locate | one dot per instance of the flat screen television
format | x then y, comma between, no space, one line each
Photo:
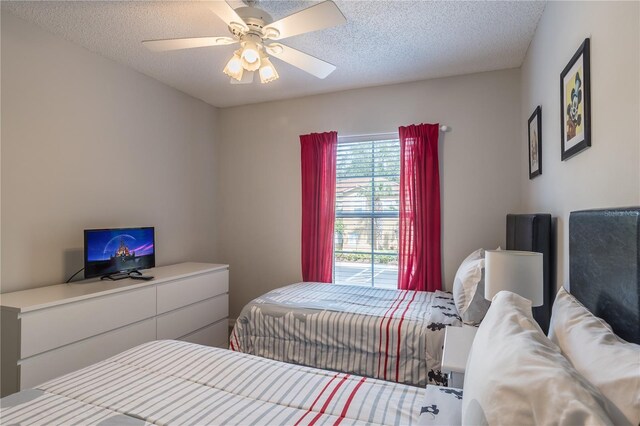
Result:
123,250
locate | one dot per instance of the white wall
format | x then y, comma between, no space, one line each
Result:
87,142
608,173
259,180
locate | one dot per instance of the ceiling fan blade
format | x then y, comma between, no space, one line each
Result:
318,17
186,43
227,14
305,62
247,78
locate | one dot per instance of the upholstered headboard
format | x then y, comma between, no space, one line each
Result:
534,232
604,266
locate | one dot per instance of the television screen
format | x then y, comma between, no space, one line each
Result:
108,251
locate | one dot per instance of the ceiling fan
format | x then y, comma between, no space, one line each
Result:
258,36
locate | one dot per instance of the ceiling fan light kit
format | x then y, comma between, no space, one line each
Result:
234,68
253,28
250,52
268,72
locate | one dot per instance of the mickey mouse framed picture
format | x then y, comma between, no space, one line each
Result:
575,103
535,143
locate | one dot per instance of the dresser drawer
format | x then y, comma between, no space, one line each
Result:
190,290
213,335
49,365
183,321
51,328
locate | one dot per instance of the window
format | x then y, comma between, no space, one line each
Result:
367,201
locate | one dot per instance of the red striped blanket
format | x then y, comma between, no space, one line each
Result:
387,334
171,382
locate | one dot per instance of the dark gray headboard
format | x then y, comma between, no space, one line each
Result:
534,232
604,266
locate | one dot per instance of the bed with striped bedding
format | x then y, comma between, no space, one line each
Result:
394,335
171,382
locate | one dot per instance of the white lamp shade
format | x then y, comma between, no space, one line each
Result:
520,272
234,67
267,71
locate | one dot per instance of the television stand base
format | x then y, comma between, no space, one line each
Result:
119,275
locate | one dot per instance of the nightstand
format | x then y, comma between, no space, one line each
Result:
457,344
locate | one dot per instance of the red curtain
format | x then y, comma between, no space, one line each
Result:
318,153
419,257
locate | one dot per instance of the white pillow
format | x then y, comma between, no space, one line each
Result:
516,376
468,289
608,362
475,255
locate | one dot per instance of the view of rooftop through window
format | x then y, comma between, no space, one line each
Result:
367,200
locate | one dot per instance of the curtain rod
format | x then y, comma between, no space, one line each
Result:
443,128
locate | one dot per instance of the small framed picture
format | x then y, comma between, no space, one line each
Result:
535,143
575,103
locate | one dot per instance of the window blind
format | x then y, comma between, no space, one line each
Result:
367,201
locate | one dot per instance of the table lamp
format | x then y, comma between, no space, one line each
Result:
520,272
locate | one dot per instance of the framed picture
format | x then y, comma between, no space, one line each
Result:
535,143
575,103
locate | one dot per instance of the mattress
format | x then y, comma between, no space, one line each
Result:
171,382
394,335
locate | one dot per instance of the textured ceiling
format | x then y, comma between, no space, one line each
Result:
383,42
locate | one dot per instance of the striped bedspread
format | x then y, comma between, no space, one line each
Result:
171,382
387,334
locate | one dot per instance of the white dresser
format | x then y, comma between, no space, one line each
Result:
50,331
